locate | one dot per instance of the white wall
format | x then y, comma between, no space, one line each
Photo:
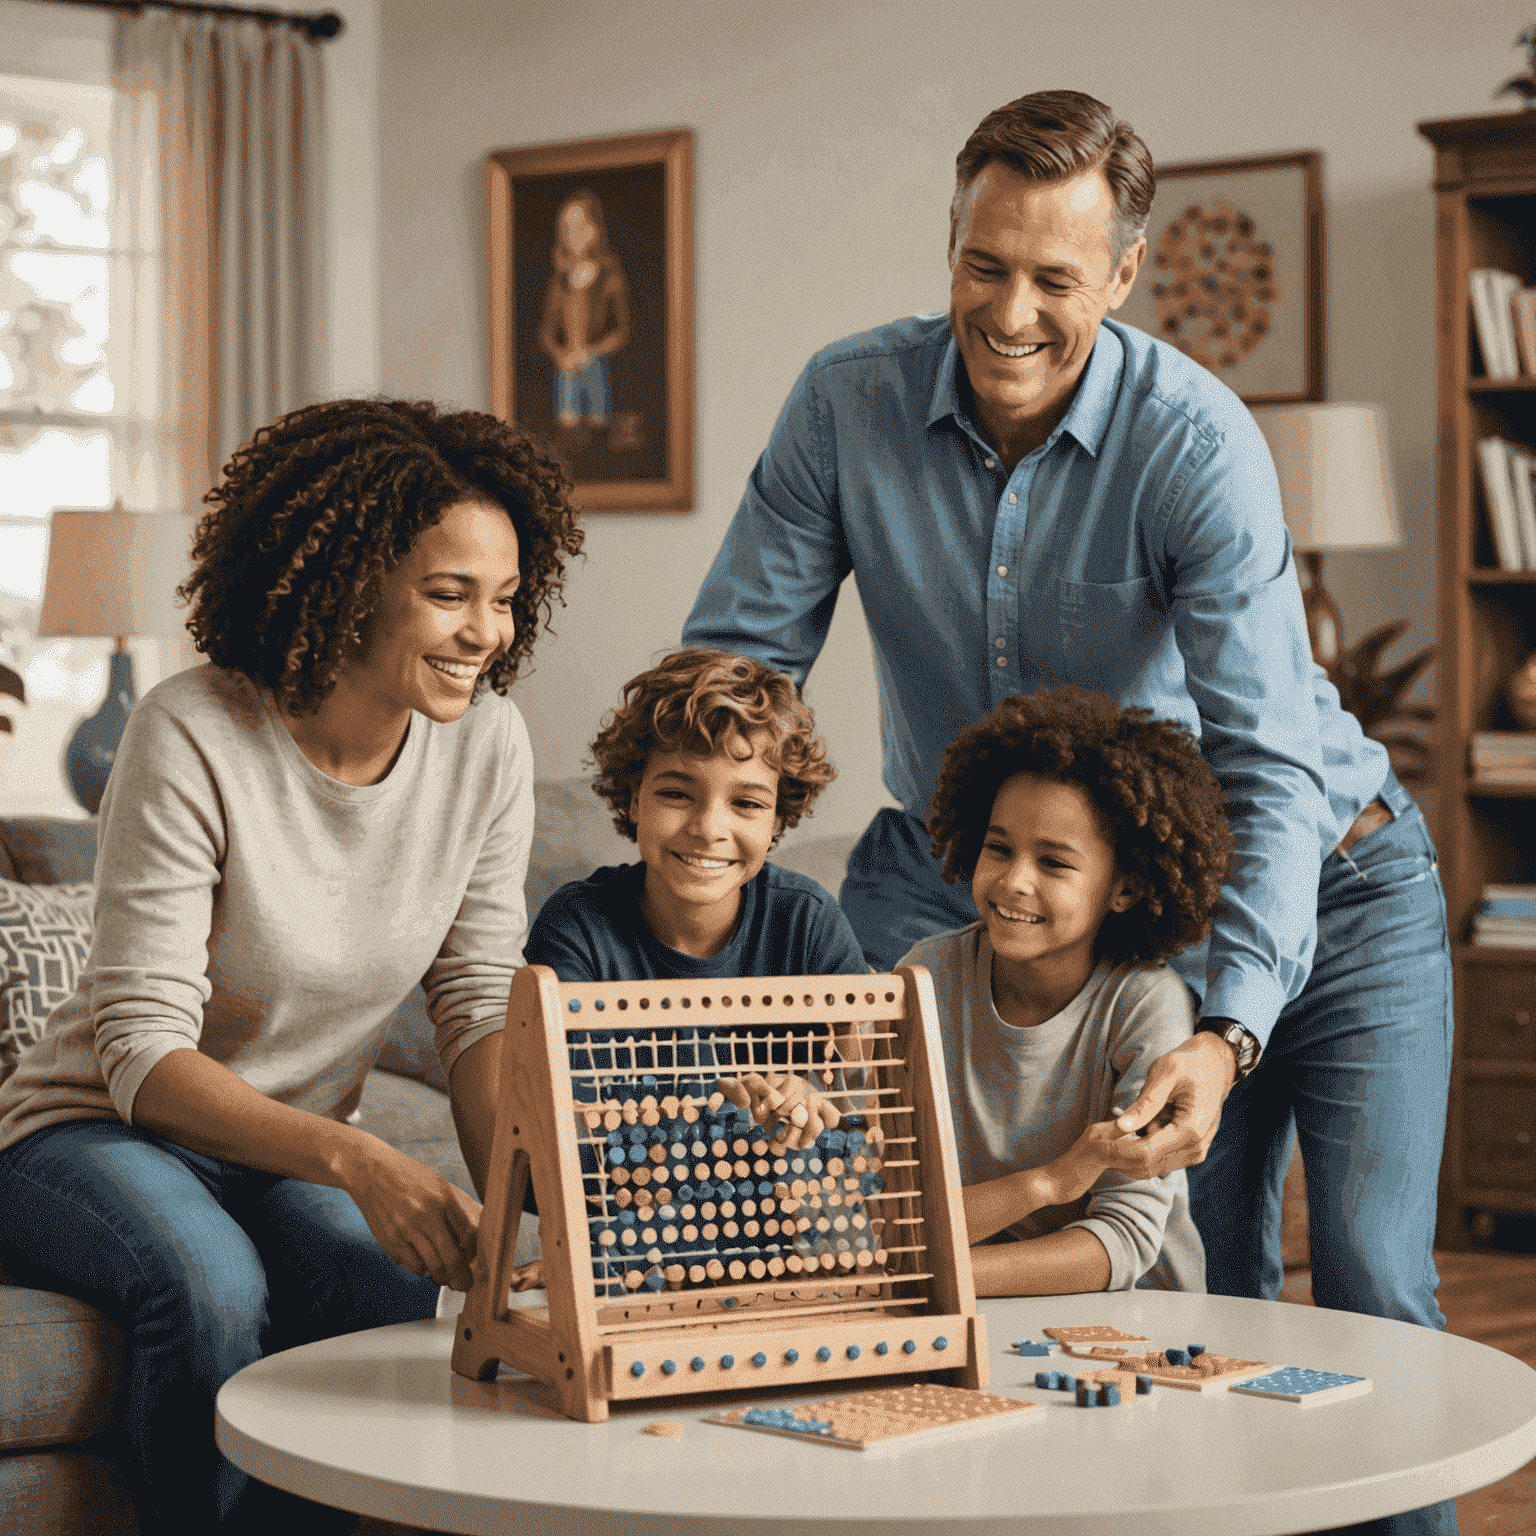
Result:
825,146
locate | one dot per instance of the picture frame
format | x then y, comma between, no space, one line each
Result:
590,260
1233,274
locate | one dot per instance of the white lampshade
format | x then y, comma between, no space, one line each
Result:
1335,475
115,573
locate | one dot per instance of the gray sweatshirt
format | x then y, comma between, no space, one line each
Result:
1021,1097
250,907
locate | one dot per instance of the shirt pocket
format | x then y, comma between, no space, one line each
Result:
1117,638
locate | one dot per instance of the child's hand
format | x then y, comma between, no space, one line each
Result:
1074,1173
795,1110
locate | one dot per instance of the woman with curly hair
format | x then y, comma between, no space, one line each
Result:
1094,842
292,837
705,763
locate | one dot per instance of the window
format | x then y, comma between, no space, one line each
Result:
71,430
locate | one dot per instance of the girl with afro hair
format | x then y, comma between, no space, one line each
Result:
338,807
1094,842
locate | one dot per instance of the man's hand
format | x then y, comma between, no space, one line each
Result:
425,1224
1181,1099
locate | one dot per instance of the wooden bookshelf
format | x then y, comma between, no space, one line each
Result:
1485,191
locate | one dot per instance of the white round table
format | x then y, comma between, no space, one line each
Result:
376,1422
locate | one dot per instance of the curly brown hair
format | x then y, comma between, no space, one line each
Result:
697,701
1158,803
312,513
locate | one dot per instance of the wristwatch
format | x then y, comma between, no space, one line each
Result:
1244,1046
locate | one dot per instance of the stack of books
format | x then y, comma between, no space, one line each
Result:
1504,312
1507,917
1504,757
1509,494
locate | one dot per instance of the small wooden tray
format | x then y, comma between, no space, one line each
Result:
887,1416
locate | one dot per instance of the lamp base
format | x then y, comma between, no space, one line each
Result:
1325,624
92,749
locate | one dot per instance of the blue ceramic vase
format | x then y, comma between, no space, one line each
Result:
92,749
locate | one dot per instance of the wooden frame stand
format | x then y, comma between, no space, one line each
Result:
685,1250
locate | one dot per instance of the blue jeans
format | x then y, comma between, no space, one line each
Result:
205,1266
1358,1066
587,393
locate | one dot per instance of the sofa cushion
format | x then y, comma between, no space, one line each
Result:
44,1493
45,939
47,850
61,1365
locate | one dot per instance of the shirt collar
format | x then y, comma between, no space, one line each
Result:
1087,418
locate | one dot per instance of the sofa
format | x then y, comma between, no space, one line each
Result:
61,1361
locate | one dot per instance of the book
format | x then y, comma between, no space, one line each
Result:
1493,316
1504,940
1509,893
1524,306
1523,742
1499,498
1522,465
1526,909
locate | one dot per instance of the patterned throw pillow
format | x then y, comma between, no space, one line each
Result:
45,938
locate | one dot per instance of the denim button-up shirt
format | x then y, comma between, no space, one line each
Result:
1138,552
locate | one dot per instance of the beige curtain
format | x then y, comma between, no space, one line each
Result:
218,155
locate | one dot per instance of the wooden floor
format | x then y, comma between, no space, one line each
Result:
1490,1297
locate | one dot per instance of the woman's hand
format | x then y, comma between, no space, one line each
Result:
794,1109
425,1224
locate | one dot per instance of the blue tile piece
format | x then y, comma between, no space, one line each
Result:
1087,1396
1196,1349
1109,1396
668,1367
941,1342
1143,1385
1177,1356
823,1353
727,1361
1043,1379
791,1355
1300,1379
784,1418
637,1368
909,1347
882,1347
697,1363
852,1351
1030,1348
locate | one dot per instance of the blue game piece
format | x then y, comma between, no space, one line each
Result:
784,1418
727,1361
791,1355
1303,1385
697,1363
1068,1382
823,1353
1196,1349
909,1347
1143,1385
759,1358
1043,1379
1177,1356
1028,1347
616,1155
647,1081
730,1301
1109,1396
852,1351
576,1008
882,1347
941,1342
654,1281
668,1367
638,1368
1087,1396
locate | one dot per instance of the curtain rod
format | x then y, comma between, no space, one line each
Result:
320,27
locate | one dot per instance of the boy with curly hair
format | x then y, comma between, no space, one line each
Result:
707,761
1095,843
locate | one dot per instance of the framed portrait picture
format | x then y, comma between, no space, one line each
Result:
590,249
1233,275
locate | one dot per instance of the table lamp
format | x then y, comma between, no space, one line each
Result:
111,574
1335,493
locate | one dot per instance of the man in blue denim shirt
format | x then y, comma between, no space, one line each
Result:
1029,493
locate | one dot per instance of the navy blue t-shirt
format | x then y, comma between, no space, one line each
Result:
593,930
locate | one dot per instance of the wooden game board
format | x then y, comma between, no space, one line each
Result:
1208,1373
888,1416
